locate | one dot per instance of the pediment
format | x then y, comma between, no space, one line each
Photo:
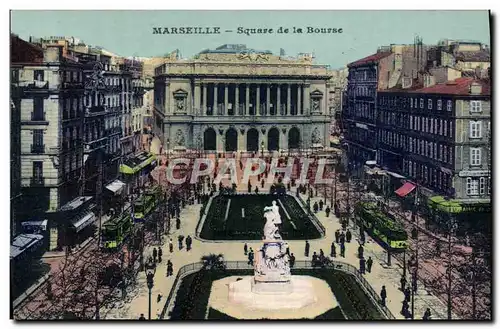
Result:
180,92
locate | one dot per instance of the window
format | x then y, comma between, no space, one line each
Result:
440,152
472,186
432,126
411,103
482,186
475,129
475,156
451,128
439,104
435,151
450,158
421,103
448,105
38,114
37,170
38,75
475,106
489,185
429,104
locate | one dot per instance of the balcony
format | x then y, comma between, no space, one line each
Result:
37,181
38,149
95,111
95,145
34,85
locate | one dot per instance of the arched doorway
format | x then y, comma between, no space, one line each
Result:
294,138
231,140
209,140
273,139
252,140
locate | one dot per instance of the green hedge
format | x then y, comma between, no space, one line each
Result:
194,292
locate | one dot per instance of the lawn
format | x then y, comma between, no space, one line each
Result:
354,303
245,218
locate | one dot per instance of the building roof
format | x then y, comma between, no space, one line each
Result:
234,49
22,51
370,59
460,86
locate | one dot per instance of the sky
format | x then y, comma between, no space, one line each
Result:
129,33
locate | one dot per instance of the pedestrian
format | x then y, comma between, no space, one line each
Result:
362,263
427,314
160,253
189,242
407,294
327,211
405,309
250,257
142,317
360,251
292,260
362,237
383,295
321,254
306,251
315,207
314,259
414,283
155,254
249,187
342,237
288,251
342,250
337,236
333,251
170,268
348,236
171,245
369,264
256,190
321,204
262,183
403,283
288,186
245,249
180,238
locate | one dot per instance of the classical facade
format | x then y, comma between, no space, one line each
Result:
238,99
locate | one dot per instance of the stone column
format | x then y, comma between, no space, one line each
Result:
205,107
299,98
226,99
247,99
307,100
257,100
278,111
268,99
167,98
242,141
236,99
220,141
197,98
288,100
216,92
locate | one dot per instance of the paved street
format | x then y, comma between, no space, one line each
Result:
234,251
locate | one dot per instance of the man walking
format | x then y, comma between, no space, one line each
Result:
170,268
369,264
171,245
348,236
321,204
342,237
327,211
250,257
337,236
189,242
245,249
360,251
292,260
160,253
155,254
403,283
342,250
306,251
180,239
407,294
362,263
383,295
315,207
333,251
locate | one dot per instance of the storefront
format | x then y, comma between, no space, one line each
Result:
136,170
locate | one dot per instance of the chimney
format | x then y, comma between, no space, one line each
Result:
52,54
475,88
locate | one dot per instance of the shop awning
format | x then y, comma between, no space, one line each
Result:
405,189
116,186
83,220
135,164
23,243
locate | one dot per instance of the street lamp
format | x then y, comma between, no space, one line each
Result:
413,264
150,273
262,148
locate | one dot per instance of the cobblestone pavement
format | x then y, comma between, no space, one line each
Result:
233,251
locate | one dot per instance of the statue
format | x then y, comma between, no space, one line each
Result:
315,104
180,104
315,138
273,218
179,138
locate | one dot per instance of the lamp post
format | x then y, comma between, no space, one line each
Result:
262,148
150,273
413,264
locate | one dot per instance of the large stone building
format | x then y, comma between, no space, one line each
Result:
238,99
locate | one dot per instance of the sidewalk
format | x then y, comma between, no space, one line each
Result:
234,251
